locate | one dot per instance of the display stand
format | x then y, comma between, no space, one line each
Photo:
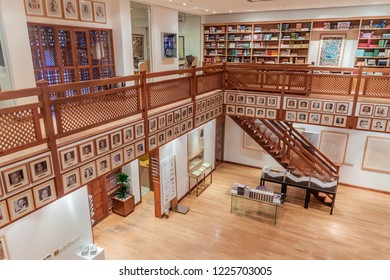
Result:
99,255
200,175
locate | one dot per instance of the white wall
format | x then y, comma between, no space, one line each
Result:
192,32
51,228
132,169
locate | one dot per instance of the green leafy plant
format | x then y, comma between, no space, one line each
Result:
122,180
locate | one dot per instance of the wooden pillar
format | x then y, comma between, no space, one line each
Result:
352,120
154,165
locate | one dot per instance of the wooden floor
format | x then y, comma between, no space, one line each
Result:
358,229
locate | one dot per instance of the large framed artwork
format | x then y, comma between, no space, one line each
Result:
169,45
334,145
331,50
376,154
138,46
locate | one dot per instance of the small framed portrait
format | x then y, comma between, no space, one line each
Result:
70,9
197,108
53,8
271,114
128,133
291,116
203,105
176,130
116,159
302,117
152,142
230,98
183,127
139,148
170,118
217,100
342,107
99,11
139,130
152,125
326,119
340,121
189,125
69,158
190,111
315,105
363,123
212,101
240,110
201,133
88,172
303,104
250,100
240,99
161,122
291,103
314,118
197,121
208,103
40,168
249,111
85,10
260,113
103,165
161,138
34,7
207,116
378,125
261,100
211,113
116,139
169,133
230,109
381,111
272,101
184,113
177,115
202,119
15,178
102,145
219,110
20,205
366,109
328,107
4,217
71,180
388,126
44,193
128,153
86,151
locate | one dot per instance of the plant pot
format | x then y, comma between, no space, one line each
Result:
123,207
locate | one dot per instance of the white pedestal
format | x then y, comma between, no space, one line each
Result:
98,256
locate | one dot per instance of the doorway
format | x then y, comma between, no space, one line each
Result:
219,140
145,180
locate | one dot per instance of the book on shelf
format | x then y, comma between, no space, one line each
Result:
298,26
382,62
371,62
360,52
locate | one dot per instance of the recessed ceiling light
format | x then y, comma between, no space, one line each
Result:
184,4
230,11
207,10
214,12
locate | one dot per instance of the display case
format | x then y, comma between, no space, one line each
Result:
195,161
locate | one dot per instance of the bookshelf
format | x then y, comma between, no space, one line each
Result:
239,43
266,41
295,41
214,50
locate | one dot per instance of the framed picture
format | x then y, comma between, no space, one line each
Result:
201,134
128,133
230,109
170,118
208,103
378,125
116,139
4,254
86,13
177,114
291,103
4,216
340,121
366,109
116,159
40,168
271,101
331,50
249,111
197,107
203,107
376,154
34,7
291,116
189,125
152,125
140,148
176,130
70,9
99,12
183,127
249,143
53,8
363,123
388,126
381,111
342,107
230,98
271,114
169,132
20,205
44,193
197,121
190,111
69,158
128,153
15,178
161,138
250,100
88,172
138,46
260,113
314,118
169,45
139,130
326,119
334,145
328,107
207,116
102,145
261,100
313,137
240,111
315,105
103,165
302,117
71,180
241,98
181,47
152,142
184,113
86,151
303,104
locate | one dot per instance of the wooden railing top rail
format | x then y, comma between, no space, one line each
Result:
169,73
211,67
21,93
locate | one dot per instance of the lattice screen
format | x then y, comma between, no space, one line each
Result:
297,82
209,82
377,86
161,93
330,84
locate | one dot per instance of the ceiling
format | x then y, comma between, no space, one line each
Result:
210,7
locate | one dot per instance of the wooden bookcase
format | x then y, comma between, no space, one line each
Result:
266,41
295,41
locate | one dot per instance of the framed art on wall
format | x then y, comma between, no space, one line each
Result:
139,130
116,159
88,172
334,145
15,178
169,45
138,46
4,217
70,9
128,153
40,168
102,145
71,180
20,205
116,139
44,193
34,7
331,50
53,8
129,134
103,165
99,12
69,157
86,151
85,10
376,154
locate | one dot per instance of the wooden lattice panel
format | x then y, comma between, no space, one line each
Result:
331,84
377,86
209,82
161,93
296,82
92,111
271,79
17,129
239,80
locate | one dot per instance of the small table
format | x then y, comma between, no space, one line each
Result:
200,176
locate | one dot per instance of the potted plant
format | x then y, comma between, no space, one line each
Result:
123,202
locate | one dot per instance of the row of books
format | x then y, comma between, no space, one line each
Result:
240,28
266,36
373,53
240,45
215,38
234,37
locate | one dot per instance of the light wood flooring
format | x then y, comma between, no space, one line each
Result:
358,229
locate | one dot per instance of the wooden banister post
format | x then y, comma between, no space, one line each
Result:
352,119
145,99
284,78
